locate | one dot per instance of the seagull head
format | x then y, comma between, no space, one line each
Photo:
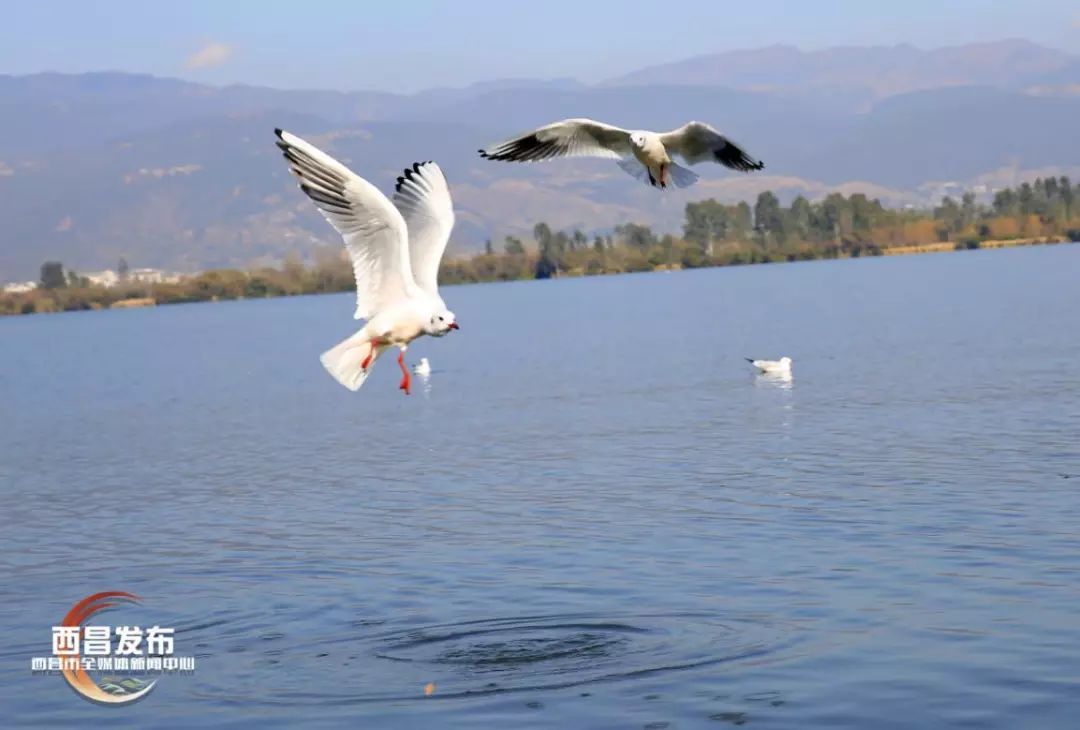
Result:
785,361
442,322
637,139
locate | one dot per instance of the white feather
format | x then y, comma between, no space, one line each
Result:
377,235
694,142
423,197
772,367
568,138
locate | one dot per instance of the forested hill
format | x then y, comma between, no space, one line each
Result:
181,176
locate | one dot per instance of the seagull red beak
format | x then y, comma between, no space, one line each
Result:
454,326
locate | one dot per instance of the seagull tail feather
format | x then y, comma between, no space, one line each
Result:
350,361
681,176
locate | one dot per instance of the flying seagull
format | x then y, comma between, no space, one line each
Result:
395,251
644,155
772,367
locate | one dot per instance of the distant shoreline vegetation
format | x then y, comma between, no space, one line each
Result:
714,234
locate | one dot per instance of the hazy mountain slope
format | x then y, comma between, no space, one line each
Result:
861,74
948,134
178,175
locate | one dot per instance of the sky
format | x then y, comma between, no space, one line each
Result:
408,45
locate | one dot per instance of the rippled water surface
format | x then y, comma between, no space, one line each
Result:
593,515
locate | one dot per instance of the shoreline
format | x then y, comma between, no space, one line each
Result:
908,250
947,246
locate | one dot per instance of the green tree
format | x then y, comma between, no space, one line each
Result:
864,212
547,265
706,221
969,211
52,275
636,235
800,217
1006,202
742,221
768,216
951,216
488,250
1026,197
513,246
836,218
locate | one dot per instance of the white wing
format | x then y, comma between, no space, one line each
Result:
697,142
423,197
375,234
568,138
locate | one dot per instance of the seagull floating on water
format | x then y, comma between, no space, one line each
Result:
772,367
644,155
422,368
395,250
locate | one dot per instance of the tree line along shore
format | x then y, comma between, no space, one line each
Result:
714,234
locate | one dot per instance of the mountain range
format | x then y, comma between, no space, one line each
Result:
183,176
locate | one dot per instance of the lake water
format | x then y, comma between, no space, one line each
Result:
592,516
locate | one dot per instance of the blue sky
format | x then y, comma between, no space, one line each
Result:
406,45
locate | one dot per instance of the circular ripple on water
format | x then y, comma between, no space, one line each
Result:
552,652
491,656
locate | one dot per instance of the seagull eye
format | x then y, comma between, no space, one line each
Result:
440,319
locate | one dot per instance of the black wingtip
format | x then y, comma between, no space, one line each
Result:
278,131
407,175
748,359
732,156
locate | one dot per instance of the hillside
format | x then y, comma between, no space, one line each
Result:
857,76
177,175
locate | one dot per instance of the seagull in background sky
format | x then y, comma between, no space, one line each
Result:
644,155
395,250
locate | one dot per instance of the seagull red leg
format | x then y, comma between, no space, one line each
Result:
371,353
404,372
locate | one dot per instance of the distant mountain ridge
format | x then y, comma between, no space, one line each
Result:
182,176
868,73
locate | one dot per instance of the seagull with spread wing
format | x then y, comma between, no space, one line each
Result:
644,155
395,250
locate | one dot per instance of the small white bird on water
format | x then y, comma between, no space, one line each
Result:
422,368
644,155
772,367
395,251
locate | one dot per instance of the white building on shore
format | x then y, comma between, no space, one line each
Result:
153,276
107,278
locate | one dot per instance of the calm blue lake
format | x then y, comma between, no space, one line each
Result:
593,515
